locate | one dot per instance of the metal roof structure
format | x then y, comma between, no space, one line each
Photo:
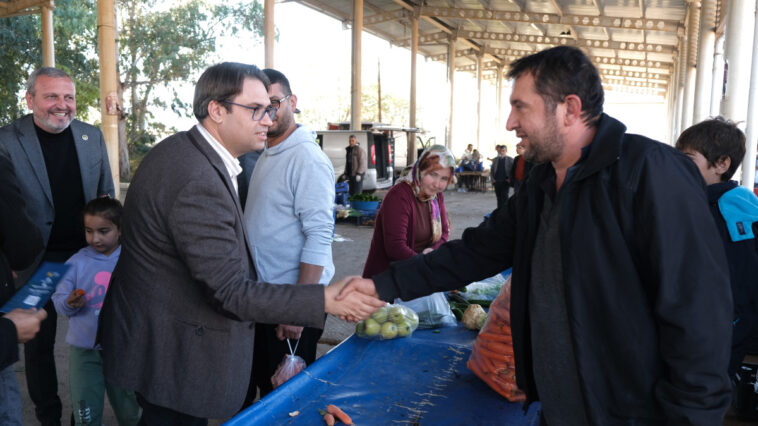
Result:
634,43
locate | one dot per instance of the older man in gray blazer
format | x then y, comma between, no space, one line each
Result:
61,163
177,325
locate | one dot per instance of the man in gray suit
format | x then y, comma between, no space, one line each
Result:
178,322
61,163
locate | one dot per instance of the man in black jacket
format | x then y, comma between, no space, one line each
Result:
620,303
20,243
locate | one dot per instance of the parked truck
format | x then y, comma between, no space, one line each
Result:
385,145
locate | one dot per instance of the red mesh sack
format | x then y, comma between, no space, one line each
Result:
492,354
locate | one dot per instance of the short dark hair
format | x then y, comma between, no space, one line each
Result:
221,82
48,72
561,71
275,77
715,138
105,207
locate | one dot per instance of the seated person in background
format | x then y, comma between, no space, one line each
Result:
466,157
412,218
717,147
476,161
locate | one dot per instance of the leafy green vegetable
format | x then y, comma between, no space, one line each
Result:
364,197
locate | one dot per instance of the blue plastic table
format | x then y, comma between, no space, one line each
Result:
420,379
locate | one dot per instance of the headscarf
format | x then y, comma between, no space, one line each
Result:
413,178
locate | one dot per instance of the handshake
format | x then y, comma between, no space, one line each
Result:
352,298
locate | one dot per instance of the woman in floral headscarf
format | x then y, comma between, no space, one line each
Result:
412,218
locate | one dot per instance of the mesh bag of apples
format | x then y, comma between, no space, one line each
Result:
389,322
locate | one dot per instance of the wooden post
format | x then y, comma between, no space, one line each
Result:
269,32
48,47
355,82
411,150
109,108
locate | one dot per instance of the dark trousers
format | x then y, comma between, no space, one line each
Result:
744,338
41,375
269,352
501,192
356,187
39,360
154,415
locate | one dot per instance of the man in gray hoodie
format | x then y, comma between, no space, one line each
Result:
289,221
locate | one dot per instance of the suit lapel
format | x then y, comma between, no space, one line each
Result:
29,142
204,147
81,140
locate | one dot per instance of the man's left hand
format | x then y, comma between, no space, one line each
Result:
284,331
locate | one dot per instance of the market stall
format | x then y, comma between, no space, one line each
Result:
421,379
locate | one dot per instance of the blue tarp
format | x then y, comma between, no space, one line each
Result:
421,379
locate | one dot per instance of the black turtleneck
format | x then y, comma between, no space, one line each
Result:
65,178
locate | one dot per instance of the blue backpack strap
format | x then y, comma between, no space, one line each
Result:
739,207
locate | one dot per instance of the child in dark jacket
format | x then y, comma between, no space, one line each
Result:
717,147
80,296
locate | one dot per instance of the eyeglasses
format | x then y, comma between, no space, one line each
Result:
258,112
277,103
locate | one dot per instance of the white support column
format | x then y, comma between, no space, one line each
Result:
706,46
269,32
451,84
48,45
748,163
739,40
499,89
717,84
693,28
479,64
411,151
355,87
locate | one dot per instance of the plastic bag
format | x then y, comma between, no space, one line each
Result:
433,311
484,292
291,365
492,353
389,322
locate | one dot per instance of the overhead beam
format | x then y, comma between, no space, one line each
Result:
548,41
24,7
668,25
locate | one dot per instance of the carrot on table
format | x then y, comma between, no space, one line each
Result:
338,413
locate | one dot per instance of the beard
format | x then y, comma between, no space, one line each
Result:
546,145
281,125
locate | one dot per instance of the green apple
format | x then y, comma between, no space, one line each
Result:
372,328
413,318
360,329
404,329
397,314
389,330
380,316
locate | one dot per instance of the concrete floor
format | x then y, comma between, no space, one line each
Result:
349,252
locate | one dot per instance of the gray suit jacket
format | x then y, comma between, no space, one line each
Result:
508,167
19,140
177,322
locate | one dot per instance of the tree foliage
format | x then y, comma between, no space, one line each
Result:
75,28
160,44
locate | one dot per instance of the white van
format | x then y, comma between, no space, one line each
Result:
386,151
